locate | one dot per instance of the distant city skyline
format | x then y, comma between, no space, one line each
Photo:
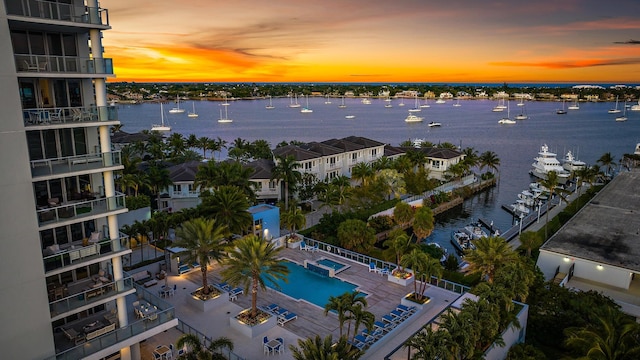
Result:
374,41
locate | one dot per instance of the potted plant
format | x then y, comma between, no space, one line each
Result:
251,264
424,266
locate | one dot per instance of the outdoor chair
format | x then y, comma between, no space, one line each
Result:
372,267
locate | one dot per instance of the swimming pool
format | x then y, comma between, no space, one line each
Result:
332,264
307,285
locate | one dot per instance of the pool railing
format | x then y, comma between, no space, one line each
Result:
381,264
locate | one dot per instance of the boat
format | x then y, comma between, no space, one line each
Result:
270,106
574,106
416,108
475,231
506,120
401,102
426,104
443,258
306,108
457,103
327,101
225,102
388,103
500,107
342,105
622,117
292,104
161,126
434,124
462,241
614,110
523,114
635,107
519,209
440,101
561,111
546,161
570,163
366,101
225,119
177,109
637,150
193,114
349,116
521,103
413,118
527,197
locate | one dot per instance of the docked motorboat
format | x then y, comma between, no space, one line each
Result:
462,241
570,163
475,231
519,208
545,162
527,198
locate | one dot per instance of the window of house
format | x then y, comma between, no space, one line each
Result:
177,188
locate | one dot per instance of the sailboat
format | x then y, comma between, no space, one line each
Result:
306,108
193,114
416,108
575,105
388,102
500,107
342,105
225,103
162,126
523,114
177,109
624,114
426,104
401,102
521,103
506,120
270,106
292,104
561,111
457,104
327,101
225,119
616,110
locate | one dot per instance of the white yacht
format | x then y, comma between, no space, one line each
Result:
413,118
441,101
161,126
475,231
546,161
366,101
635,107
177,109
570,163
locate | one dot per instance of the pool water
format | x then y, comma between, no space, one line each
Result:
306,285
331,264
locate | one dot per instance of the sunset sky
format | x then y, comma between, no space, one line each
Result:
374,41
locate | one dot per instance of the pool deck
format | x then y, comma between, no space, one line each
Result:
383,296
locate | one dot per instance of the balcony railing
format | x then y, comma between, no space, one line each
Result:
63,64
50,10
80,209
91,295
79,253
69,115
69,164
166,313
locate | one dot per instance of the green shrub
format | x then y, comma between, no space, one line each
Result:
137,202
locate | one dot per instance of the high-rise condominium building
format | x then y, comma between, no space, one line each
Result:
63,290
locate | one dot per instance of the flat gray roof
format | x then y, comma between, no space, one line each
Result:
607,229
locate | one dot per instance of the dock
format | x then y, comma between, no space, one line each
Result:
489,225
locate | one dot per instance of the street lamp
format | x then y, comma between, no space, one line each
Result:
539,207
155,252
521,217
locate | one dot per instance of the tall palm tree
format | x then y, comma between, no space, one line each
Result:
423,266
550,182
463,334
489,159
429,345
324,349
253,263
360,316
286,169
197,351
141,181
202,240
176,145
613,337
607,160
529,240
293,219
341,307
229,205
490,253
362,172
204,144
159,179
423,223
398,242
354,299
403,214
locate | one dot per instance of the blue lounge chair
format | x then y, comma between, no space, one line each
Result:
271,308
361,340
303,246
404,308
283,319
224,286
280,311
397,315
383,271
372,267
383,326
236,291
388,319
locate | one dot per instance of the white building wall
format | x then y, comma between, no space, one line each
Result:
548,262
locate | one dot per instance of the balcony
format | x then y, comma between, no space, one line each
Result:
78,253
74,343
40,64
73,164
57,11
69,116
88,292
74,210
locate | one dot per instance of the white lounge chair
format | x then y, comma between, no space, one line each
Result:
286,318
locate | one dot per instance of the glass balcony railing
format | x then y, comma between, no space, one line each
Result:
78,209
166,313
76,163
69,115
93,293
83,253
63,64
53,10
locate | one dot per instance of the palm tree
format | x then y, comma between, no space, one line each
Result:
141,181
229,205
286,169
403,214
126,182
341,307
362,172
204,144
607,160
529,240
398,242
197,351
423,266
354,299
159,179
324,349
293,219
423,223
354,234
551,183
462,333
429,345
252,263
360,316
490,253
202,240
176,144
490,160
613,337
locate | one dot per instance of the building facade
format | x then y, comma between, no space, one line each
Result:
65,293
